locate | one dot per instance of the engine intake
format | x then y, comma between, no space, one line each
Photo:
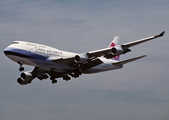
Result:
81,58
27,76
118,50
77,58
22,81
113,50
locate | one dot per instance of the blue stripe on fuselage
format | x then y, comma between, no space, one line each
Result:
23,53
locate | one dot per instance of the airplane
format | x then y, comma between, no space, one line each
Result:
53,63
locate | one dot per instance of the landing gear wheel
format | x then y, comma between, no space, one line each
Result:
21,68
66,77
54,81
77,73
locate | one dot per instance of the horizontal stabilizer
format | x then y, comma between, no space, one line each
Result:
128,60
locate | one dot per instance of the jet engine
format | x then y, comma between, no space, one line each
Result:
81,58
26,78
118,50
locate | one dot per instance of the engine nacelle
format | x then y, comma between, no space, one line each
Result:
27,76
22,81
118,50
81,58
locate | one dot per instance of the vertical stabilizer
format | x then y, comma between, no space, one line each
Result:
115,42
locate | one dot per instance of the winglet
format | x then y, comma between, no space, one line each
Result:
161,34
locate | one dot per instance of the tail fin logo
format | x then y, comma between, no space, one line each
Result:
112,45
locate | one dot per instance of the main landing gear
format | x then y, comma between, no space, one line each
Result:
21,68
66,77
54,81
76,73
52,78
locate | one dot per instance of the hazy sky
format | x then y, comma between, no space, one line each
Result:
139,91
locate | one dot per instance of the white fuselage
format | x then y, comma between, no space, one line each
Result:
41,56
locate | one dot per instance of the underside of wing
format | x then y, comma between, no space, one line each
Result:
72,61
65,60
91,63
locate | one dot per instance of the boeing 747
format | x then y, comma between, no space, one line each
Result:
53,63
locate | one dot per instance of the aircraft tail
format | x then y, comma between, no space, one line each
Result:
115,42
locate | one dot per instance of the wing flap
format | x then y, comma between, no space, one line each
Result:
106,52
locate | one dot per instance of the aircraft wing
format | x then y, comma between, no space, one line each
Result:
86,64
107,52
63,60
82,57
130,44
120,49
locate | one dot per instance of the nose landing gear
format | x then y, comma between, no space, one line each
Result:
21,68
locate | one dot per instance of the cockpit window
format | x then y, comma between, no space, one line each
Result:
15,43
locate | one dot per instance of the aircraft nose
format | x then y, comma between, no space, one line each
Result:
6,51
